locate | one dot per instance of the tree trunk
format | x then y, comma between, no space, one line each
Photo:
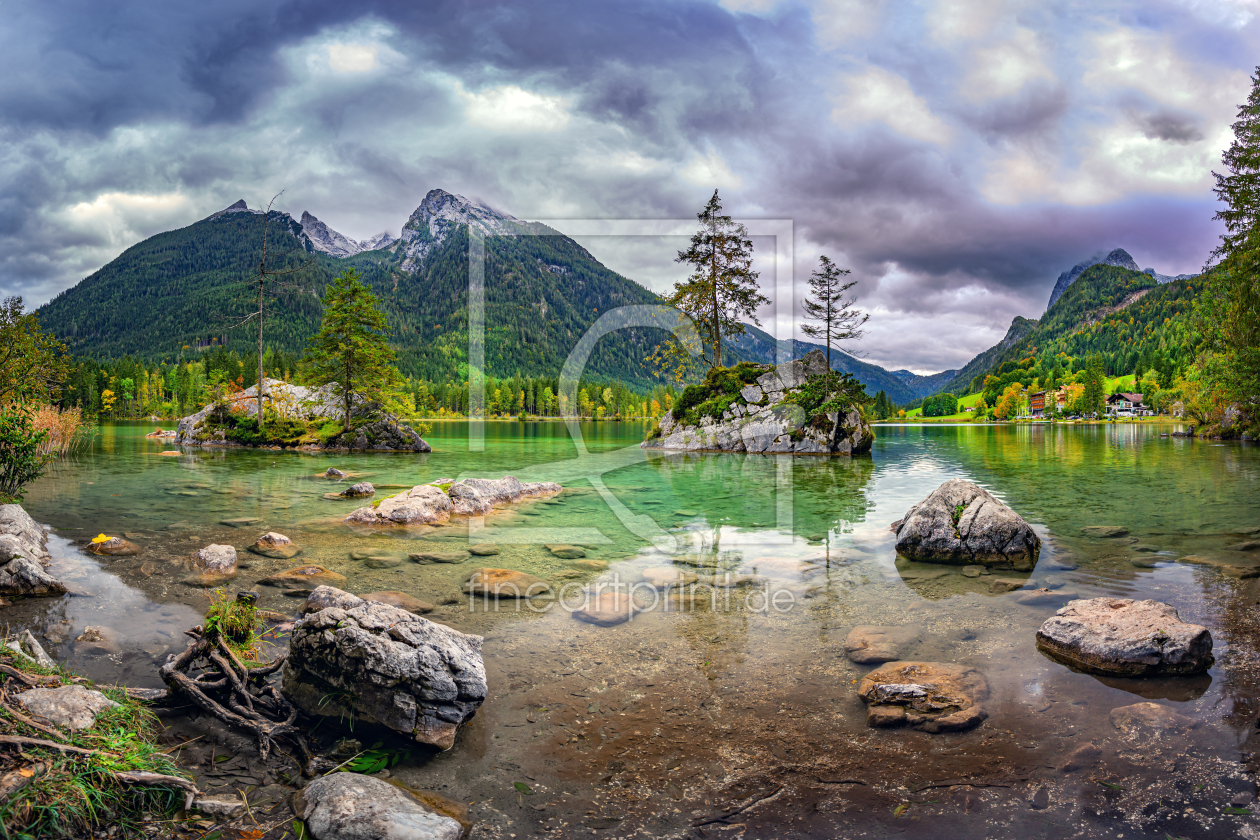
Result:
261,278
717,334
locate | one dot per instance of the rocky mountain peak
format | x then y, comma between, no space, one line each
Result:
1117,257
326,240
439,214
238,207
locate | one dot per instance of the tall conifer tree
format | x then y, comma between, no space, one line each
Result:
834,315
722,287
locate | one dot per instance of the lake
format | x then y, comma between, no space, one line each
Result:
737,715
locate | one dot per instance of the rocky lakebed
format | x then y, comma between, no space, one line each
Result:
912,651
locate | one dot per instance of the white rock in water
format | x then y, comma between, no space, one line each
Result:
1124,637
351,806
215,558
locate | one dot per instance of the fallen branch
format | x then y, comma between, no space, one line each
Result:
756,800
27,679
144,777
22,740
964,783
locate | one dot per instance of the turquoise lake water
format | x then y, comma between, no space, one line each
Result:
736,695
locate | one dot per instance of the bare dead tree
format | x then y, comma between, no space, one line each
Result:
265,260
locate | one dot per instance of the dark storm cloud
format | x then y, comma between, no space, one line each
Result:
896,147
1175,128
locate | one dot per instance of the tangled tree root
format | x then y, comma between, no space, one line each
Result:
211,675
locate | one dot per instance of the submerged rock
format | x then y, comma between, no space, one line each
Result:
663,577
355,491
504,583
566,552
928,696
386,666
1105,531
1123,637
96,641
766,418
606,610
71,706
309,575
483,550
869,645
275,545
962,523
351,806
1143,722
401,600
426,558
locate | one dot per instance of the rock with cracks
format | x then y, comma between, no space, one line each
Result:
24,556
71,706
386,666
1123,637
351,806
929,696
963,524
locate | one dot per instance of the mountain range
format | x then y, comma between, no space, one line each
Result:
189,288
1105,305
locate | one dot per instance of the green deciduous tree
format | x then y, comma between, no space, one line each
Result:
33,364
1232,302
350,351
722,287
833,315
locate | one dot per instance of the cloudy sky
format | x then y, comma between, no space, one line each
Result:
955,155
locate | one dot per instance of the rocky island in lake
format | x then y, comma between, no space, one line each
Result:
793,408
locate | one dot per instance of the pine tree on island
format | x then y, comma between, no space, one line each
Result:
722,287
834,316
350,351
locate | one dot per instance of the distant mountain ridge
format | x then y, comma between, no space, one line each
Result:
171,293
1117,257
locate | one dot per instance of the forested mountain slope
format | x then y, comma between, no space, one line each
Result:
184,290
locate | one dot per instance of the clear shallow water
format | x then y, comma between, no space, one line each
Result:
680,716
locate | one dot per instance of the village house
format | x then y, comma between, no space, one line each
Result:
1127,405
1037,403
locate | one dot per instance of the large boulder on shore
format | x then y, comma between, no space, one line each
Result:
1123,637
963,524
24,556
386,666
15,521
765,417
351,806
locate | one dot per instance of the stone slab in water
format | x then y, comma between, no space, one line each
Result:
504,583
1123,637
869,645
607,610
308,576
429,557
928,696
